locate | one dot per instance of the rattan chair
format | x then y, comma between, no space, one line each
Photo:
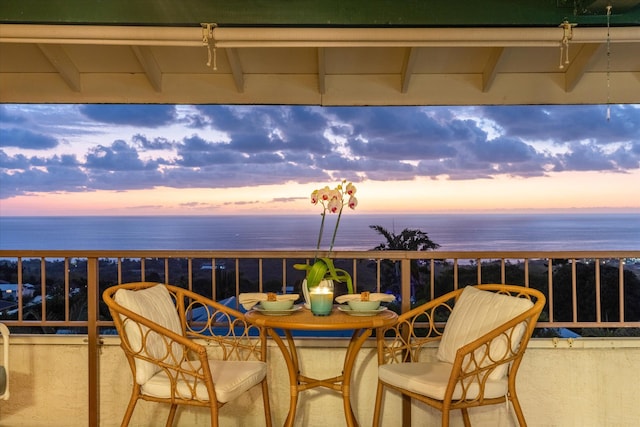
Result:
478,352
185,349
4,364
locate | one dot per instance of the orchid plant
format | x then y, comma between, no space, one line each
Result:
332,201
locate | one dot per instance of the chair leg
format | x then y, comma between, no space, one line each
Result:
265,400
517,408
406,410
465,417
445,417
378,405
213,409
172,414
132,404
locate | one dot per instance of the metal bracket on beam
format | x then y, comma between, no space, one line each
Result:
209,40
567,34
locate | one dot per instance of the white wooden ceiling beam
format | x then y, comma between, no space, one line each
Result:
322,71
236,68
63,65
491,68
577,68
408,68
227,37
150,65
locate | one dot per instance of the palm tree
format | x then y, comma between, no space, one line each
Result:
407,240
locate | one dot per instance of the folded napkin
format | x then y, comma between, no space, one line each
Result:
248,300
372,297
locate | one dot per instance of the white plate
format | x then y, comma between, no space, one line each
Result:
278,312
348,310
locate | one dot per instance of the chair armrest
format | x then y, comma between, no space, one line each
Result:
415,329
227,334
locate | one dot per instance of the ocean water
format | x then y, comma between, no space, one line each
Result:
458,232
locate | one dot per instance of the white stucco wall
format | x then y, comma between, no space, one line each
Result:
587,382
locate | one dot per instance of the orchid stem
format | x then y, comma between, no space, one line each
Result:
320,234
335,230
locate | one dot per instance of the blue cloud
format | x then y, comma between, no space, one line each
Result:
24,138
218,146
118,157
151,116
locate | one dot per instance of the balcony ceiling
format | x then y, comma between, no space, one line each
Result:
334,52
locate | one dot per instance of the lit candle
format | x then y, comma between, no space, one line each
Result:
321,301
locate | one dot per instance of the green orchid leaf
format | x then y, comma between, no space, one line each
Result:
322,269
316,273
306,267
345,277
329,263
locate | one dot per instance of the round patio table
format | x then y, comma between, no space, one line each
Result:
304,320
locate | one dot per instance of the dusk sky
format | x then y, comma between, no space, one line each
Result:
213,159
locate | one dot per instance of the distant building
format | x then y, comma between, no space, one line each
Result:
219,266
9,291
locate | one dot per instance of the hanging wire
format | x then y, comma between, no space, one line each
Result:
608,62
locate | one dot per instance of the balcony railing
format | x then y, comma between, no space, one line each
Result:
594,289
584,289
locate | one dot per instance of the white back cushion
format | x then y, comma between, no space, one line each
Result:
476,313
155,304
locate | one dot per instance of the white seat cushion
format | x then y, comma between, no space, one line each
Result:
230,378
477,312
431,378
154,303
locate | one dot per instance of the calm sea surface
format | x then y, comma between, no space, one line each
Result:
500,232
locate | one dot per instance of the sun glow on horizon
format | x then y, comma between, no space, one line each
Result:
561,191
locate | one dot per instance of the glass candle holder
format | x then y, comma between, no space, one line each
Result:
321,300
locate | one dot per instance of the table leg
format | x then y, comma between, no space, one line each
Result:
298,382
291,359
357,339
